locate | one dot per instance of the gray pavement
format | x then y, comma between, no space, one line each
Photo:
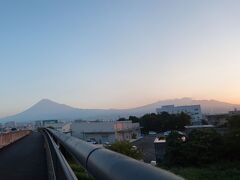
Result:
24,159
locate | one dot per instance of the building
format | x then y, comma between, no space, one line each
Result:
105,131
49,123
188,129
64,127
38,124
235,112
194,111
126,130
221,120
217,120
160,149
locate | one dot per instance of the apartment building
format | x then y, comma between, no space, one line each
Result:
194,111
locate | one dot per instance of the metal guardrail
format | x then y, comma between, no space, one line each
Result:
10,137
104,164
58,167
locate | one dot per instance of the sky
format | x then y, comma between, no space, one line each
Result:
117,54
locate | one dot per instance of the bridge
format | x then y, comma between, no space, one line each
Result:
45,155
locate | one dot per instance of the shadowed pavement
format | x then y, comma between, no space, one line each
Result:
24,159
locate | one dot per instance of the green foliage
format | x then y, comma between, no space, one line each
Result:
201,147
134,119
161,122
205,155
232,138
234,122
78,170
175,151
232,144
204,146
125,147
224,170
122,119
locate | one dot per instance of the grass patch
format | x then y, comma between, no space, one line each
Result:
79,171
219,171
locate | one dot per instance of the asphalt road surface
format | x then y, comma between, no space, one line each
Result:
24,159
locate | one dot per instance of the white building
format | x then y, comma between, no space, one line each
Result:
105,131
194,111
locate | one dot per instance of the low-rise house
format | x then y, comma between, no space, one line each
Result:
126,130
235,112
220,120
217,119
188,129
160,148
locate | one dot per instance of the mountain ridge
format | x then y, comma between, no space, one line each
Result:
48,109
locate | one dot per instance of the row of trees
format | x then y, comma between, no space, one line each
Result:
204,146
234,122
161,122
126,148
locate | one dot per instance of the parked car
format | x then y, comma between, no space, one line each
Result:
92,141
152,133
166,133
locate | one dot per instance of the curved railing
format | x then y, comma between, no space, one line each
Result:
108,165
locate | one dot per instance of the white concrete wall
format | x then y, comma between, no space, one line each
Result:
105,131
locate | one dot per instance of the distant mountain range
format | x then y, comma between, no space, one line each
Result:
47,109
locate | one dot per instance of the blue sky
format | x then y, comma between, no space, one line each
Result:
109,54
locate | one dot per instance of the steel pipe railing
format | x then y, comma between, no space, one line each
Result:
59,160
108,165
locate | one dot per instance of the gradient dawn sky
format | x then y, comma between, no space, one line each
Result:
117,54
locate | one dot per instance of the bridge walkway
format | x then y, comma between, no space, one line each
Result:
24,159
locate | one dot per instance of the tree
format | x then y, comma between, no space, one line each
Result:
232,144
122,119
232,138
126,148
183,120
234,122
161,122
175,149
166,121
134,119
203,146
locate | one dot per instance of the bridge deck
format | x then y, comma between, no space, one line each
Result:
24,159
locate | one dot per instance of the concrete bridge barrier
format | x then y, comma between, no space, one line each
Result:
10,137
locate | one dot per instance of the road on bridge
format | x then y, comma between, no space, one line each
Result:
24,159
